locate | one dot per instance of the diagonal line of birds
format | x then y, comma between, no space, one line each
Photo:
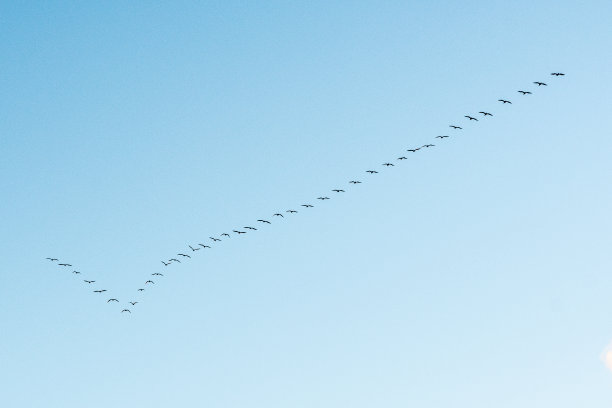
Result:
193,249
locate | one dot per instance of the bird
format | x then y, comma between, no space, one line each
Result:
307,205
239,232
141,290
174,259
339,191
322,198
470,118
52,259
557,74
388,164
413,150
264,221
428,145
100,291
505,101
166,264
149,281
251,228
194,249
455,127
278,215
372,171
225,235
186,256
402,158
215,239
486,113
441,137
112,300
540,83
156,274
204,246
64,264
291,212
133,303
76,272
126,310
524,92
355,182
88,281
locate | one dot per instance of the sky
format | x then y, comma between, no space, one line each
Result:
474,274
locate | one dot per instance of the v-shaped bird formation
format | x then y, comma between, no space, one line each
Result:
194,248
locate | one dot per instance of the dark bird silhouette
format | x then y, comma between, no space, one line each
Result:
186,256
441,137
112,300
339,191
141,290
88,281
149,281
355,182
166,264
100,291
455,127
240,232
540,83
505,101
470,118
291,212
126,310
372,171
278,215
133,303
194,249
428,145
264,221
76,272
64,265
307,205
388,164
174,259
486,113
524,92
413,150
322,198
215,239
251,228
402,158
156,274
52,259
557,74
225,235
204,246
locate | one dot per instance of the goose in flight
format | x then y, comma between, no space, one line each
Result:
64,264
557,74
239,232
524,92
133,303
251,228
112,300
471,118
355,182
166,263
428,145
76,272
194,249
402,158
174,259
486,113
156,274
307,205
204,246
388,164
414,150
186,256
340,191
322,198
455,127
141,290
278,215
291,212
52,259
215,239
150,281
88,281
100,291
126,310
225,235
540,83
264,221
505,101
441,137
372,171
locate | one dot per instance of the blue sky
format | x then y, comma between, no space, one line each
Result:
475,274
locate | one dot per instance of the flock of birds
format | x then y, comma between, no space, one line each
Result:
195,247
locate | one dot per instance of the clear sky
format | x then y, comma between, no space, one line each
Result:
475,274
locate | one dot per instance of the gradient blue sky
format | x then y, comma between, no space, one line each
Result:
475,274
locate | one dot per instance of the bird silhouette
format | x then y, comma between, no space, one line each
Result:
322,198
455,127
150,281
557,74
251,228
156,274
88,281
166,264
291,212
278,215
186,256
402,158
126,310
204,246
239,232
76,272
413,150
505,101
307,205
141,290
225,235
372,171
175,260
64,264
540,83
441,137
428,145
486,113
133,303
52,259
194,249
215,239
112,300
524,92
388,164
470,118
355,182
339,191
100,291
264,221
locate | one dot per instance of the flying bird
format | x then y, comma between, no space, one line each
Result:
428,145
524,92
76,272
174,259
194,249
264,221
186,256
504,101
441,137
149,281
413,150
133,303
126,310
64,265
239,232
215,239
112,300
402,158
339,191
166,264
372,171
388,164
141,290
291,212
100,291
225,235
204,246
455,127
88,281
486,113
307,205
52,259
322,198
251,228
156,274
540,83
470,118
355,182
278,215
557,74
